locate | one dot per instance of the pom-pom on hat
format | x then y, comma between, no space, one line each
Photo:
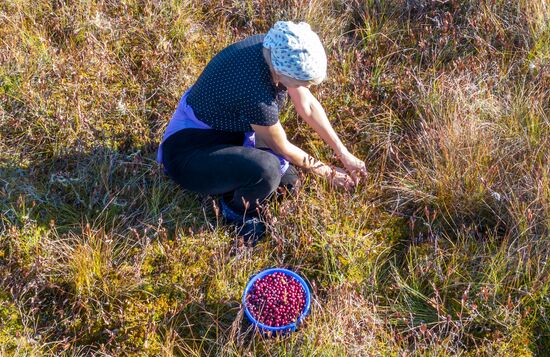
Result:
296,51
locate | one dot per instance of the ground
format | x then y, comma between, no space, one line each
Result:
442,250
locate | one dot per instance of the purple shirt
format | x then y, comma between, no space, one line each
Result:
183,118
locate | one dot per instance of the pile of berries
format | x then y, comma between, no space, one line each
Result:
276,300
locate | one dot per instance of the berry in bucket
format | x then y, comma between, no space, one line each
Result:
276,299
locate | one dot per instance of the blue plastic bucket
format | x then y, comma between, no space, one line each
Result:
270,330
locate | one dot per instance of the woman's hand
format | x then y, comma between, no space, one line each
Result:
354,166
340,178
336,176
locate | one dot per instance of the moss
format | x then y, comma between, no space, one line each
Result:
12,329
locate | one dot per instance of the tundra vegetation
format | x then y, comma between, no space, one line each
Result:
442,250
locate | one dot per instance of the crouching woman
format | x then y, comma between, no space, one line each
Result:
210,144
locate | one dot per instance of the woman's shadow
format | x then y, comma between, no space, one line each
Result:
119,192
102,185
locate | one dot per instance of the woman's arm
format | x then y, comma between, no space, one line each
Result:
275,138
309,109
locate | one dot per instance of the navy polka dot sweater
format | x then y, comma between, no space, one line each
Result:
236,90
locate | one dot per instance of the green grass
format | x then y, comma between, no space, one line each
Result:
443,250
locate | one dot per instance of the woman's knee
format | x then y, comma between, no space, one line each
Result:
270,170
264,176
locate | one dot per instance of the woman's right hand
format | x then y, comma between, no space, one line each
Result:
341,179
336,176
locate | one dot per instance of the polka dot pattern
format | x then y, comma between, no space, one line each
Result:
235,89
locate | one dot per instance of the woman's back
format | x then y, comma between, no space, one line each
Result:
236,90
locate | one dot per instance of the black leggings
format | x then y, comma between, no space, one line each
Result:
215,162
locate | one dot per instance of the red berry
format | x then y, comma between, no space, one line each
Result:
276,300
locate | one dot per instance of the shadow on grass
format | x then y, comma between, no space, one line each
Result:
117,193
219,328
103,186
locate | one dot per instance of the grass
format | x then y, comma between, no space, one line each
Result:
443,250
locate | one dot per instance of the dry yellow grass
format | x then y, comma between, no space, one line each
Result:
443,250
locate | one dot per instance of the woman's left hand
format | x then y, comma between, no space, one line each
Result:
354,166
